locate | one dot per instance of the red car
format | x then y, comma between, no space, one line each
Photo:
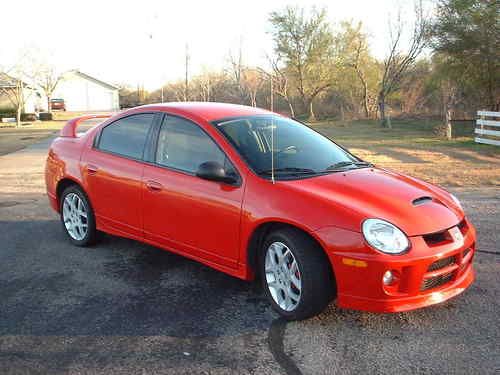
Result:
57,105
252,193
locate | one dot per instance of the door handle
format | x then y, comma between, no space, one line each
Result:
153,186
92,169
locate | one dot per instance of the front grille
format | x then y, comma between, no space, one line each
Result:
441,263
436,281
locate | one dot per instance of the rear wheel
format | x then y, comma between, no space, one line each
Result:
77,216
296,274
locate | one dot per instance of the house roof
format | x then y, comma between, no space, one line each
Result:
95,80
7,81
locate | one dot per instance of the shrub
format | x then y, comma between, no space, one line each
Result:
45,116
28,117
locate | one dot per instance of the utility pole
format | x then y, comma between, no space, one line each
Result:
162,94
186,80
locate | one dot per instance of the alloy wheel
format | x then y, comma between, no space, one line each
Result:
283,276
75,216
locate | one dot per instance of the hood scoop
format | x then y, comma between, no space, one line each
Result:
422,200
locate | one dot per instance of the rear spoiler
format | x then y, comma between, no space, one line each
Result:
69,130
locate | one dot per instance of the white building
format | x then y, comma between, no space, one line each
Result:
12,88
82,92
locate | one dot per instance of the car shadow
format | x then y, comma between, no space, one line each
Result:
118,287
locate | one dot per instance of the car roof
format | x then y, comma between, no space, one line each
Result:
209,111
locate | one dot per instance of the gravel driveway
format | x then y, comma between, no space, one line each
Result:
125,307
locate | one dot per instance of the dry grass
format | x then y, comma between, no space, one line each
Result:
412,148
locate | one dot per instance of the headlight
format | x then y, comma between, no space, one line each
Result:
457,202
384,236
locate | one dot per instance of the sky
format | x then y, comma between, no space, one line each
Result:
143,42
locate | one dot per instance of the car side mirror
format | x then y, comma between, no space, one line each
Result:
214,171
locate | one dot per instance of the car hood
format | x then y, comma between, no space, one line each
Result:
412,205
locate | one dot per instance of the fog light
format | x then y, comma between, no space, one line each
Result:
388,278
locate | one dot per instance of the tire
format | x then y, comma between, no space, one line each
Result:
74,206
317,284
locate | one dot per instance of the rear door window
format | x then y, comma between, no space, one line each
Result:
127,136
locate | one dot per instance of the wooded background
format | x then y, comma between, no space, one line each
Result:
444,63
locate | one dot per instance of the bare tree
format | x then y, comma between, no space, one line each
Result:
205,86
236,71
47,79
280,83
13,85
202,86
251,82
13,89
361,46
398,61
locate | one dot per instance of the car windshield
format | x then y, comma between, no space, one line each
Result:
297,150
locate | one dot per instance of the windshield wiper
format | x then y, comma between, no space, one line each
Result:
289,170
342,164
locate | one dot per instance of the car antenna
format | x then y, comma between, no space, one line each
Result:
272,150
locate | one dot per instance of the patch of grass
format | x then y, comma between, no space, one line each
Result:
412,147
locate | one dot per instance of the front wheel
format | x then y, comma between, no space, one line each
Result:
296,274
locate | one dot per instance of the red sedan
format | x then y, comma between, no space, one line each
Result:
252,193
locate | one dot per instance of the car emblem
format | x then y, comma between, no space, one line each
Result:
456,235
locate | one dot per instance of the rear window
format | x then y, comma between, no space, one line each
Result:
127,136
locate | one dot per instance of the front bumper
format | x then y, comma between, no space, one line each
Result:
428,274
398,304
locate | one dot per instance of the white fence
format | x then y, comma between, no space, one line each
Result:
488,130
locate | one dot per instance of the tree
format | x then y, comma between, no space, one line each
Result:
398,62
14,89
419,89
202,86
304,44
279,83
236,71
467,32
47,79
251,82
13,83
352,44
